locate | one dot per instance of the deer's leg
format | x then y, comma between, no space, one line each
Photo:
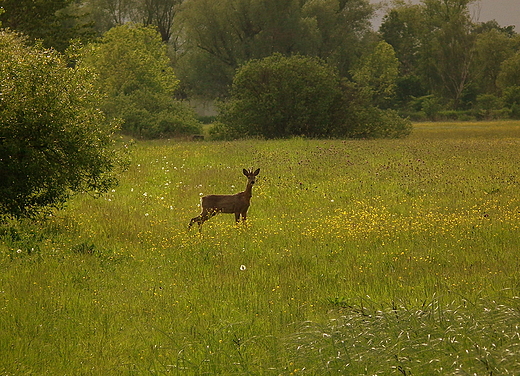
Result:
237,217
195,220
203,217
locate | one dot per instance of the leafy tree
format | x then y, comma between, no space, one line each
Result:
160,13
135,75
402,28
106,14
509,74
54,22
338,28
508,81
492,48
377,74
448,47
281,96
442,51
484,27
511,99
236,31
487,106
54,141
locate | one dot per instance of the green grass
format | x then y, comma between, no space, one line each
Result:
359,257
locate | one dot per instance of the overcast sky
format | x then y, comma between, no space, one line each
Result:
505,12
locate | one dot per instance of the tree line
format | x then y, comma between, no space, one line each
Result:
449,64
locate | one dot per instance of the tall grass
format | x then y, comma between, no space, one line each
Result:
359,257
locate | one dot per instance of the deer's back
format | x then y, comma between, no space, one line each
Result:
226,203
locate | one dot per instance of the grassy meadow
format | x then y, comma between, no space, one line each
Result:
360,257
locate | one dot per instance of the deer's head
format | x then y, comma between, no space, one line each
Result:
251,176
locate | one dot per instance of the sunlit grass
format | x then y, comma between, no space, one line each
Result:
359,257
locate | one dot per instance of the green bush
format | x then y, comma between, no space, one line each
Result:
280,97
455,115
285,96
53,139
222,132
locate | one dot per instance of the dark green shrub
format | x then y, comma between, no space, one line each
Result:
285,96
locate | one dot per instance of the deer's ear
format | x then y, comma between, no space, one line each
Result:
256,172
246,173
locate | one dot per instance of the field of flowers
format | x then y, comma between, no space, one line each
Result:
360,257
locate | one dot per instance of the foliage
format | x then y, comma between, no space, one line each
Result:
279,97
135,75
106,14
402,27
161,14
373,122
441,50
510,72
53,139
232,32
452,57
360,257
492,48
339,29
54,22
448,47
488,105
377,74
511,98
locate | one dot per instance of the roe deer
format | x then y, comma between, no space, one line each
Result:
237,203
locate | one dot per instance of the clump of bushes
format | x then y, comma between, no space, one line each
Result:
484,107
280,96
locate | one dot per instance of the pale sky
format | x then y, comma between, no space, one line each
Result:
505,12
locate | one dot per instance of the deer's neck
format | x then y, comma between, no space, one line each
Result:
249,191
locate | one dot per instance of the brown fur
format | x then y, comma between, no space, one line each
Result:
237,203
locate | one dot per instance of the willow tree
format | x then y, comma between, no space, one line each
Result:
223,35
